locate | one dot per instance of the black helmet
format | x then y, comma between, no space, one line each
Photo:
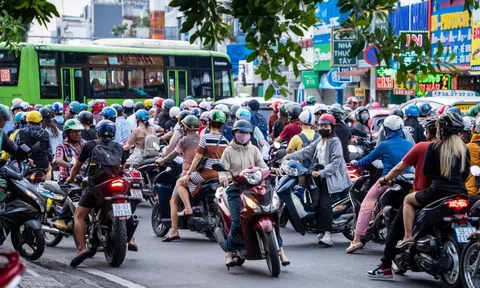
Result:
119,109
243,125
45,112
139,105
105,128
337,111
451,123
37,107
431,123
233,109
294,111
398,112
183,114
359,111
254,105
86,118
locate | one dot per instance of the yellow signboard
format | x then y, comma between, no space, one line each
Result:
360,94
475,52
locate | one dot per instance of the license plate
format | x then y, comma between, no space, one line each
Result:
121,209
136,193
463,233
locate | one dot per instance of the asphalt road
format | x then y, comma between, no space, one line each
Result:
195,262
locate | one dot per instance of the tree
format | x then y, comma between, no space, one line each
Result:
17,16
119,29
270,23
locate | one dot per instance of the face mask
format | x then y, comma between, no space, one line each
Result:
324,132
242,138
364,117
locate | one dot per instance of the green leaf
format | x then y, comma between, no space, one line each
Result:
357,46
252,56
296,30
440,49
269,92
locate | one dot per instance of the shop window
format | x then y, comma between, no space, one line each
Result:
107,83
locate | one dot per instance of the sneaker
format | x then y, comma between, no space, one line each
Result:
380,273
326,240
319,236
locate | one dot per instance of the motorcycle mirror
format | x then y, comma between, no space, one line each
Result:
475,170
280,153
218,167
156,146
277,145
318,166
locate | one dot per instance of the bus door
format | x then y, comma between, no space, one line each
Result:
73,85
177,85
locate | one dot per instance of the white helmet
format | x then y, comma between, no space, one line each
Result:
467,123
206,105
189,104
17,101
173,112
320,107
352,99
307,117
222,107
393,122
127,103
204,116
25,105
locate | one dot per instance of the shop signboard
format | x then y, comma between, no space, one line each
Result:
341,49
385,78
332,78
475,54
360,94
418,38
344,79
451,25
433,82
310,79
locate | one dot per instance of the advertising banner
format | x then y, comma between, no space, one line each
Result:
341,50
475,54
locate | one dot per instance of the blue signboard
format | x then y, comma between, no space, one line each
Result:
451,25
237,52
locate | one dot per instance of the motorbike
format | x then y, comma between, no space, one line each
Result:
205,214
362,148
138,188
440,231
259,218
22,209
11,269
148,172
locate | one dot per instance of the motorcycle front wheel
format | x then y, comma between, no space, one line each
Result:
270,245
116,247
28,242
470,265
452,278
158,227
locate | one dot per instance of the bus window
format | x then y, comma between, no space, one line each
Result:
136,81
201,83
49,81
222,85
107,83
9,65
154,83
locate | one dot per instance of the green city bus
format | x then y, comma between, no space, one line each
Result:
47,73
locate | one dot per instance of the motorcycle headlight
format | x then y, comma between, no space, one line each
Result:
290,171
253,178
275,202
31,194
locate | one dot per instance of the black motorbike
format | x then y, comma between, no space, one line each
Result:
149,171
440,230
205,212
362,148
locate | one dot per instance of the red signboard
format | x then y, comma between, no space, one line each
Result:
5,75
386,83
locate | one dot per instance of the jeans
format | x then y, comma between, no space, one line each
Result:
367,207
395,234
325,213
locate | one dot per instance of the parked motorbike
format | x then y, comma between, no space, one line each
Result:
260,218
440,230
11,269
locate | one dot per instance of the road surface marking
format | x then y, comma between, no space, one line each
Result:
111,277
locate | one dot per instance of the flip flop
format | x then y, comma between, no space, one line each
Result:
170,239
80,258
405,244
183,213
132,247
354,247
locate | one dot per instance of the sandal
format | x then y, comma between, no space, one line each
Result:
170,239
354,247
405,244
229,264
184,213
80,258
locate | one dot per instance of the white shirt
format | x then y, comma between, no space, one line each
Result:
132,120
321,152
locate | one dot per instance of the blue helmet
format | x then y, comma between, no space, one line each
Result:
109,113
142,115
57,108
83,107
196,112
455,110
412,111
243,114
425,109
105,128
23,119
18,118
75,107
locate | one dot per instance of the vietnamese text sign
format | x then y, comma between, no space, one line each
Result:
475,54
385,83
341,50
310,79
321,56
417,38
433,82
360,94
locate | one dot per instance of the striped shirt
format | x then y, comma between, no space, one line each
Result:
211,147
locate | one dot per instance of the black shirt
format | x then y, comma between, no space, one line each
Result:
277,128
89,135
416,129
88,149
162,118
169,125
343,133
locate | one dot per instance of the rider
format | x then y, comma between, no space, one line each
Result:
108,113
132,119
86,118
474,148
412,112
318,110
105,132
274,116
308,135
341,129
57,110
122,126
74,108
309,102
164,116
425,110
257,140
466,134
332,178
281,122
361,128
258,120
128,106
178,132
391,153
148,104
19,124
473,111
54,133
170,124
293,128
352,102
97,108
406,132
203,122
240,155
137,138
227,127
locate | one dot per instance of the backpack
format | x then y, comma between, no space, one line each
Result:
148,150
307,162
105,162
262,124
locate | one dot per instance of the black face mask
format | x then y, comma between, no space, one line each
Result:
324,132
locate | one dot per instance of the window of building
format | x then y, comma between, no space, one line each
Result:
222,85
49,80
107,83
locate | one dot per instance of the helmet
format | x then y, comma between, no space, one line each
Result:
159,102
105,128
86,118
337,111
242,125
72,124
204,116
205,105
425,109
443,109
17,119
223,108
83,107
138,106
118,108
182,115
451,123
57,108
25,106
191,122
127,103
5,113
234,108
376,105
320,108
148,103
23,119
473,111
16,106
368,106
49,106
189,97
189,104
17,101
154,101
109,113
37,107
398,112
359,111
307,118
243,114
275,105
311,100
46,113
467,123
294,111
455,110
477,125
327,119
431,123
217,116
254,105
283,109
142,115
352,99
167,104
393,122
196,112
34,117
75,107
412,111
173,112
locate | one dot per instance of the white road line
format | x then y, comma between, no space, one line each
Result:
111,277
33,273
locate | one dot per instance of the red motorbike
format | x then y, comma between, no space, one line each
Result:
11,269
259,218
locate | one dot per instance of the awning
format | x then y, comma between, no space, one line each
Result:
356,72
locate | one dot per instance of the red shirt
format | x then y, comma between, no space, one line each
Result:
416,157
291,130
271,120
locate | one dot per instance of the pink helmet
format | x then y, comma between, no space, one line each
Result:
376,105
189,104
206,105
352,99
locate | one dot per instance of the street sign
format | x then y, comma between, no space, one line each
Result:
370,56
341,50
310,79
360,94
332,78
344,79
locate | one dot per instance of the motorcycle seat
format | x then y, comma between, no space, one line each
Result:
147,161
53,187
209,185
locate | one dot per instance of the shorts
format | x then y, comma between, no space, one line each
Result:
195,181
88,199
429,195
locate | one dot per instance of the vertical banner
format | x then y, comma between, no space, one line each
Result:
157,19
475,53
